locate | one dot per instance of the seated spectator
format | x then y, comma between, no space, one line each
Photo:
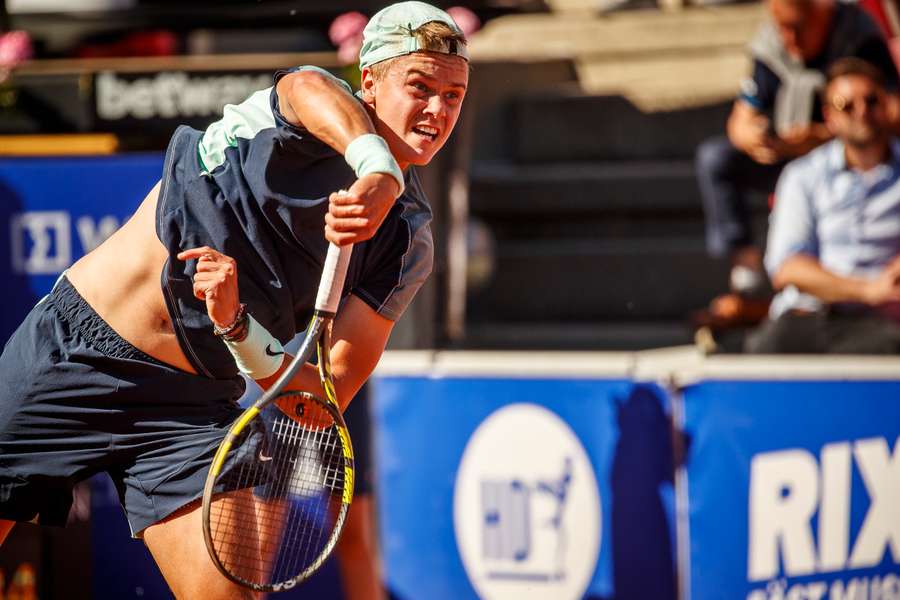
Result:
776,118
834,238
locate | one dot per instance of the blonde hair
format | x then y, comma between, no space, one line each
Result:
432,36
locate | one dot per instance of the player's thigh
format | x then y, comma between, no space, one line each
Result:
359,529
177,545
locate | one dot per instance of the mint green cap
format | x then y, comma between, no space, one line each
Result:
389,33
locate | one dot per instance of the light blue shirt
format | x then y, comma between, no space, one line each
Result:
849,220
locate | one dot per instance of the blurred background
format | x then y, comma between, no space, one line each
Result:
572,274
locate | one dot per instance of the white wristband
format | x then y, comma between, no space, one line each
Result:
259,354
369,153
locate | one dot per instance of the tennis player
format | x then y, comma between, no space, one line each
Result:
131,364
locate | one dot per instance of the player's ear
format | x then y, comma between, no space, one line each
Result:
367,86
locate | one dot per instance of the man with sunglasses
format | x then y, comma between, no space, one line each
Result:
776,118
834,239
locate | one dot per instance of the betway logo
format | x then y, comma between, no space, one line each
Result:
788,487
172,95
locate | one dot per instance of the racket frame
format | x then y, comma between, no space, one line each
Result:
317,339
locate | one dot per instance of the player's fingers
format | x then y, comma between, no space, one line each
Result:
348,224
341,238
204,283
200,289
214,281
226,267
208,277
347,210
343,197
198,253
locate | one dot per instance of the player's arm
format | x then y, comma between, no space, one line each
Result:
359,337
359,333
320,104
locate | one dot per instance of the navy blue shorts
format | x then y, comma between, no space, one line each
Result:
76,399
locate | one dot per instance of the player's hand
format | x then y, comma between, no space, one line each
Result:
216,282
356,215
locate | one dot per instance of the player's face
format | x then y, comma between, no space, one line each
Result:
417,103
856,111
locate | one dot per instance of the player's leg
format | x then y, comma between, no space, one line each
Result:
357,549
5,528
358,553
177,545
50,413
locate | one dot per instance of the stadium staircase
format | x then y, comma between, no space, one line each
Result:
581,177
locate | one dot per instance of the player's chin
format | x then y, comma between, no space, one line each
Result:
421,160
421,154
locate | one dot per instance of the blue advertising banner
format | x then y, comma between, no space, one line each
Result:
519,488
54,210
793,490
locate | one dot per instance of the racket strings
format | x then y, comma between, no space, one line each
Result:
330,480
282,497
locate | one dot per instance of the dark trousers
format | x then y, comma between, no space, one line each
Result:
726,175
825,333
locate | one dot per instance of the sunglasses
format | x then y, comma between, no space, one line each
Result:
847,105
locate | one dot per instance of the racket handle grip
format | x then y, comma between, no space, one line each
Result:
333,274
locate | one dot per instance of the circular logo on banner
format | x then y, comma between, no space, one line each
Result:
526,508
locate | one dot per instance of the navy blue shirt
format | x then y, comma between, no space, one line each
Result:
256,187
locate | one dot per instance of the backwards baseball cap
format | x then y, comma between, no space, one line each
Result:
391,33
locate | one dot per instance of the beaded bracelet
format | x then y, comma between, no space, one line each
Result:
240,318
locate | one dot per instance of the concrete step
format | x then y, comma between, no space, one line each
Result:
581,33
574,127
578,280
667,82
502,190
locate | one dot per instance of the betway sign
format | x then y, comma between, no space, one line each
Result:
172,95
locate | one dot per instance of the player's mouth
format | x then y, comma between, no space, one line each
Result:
426,131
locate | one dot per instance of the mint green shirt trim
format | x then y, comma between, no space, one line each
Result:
243,121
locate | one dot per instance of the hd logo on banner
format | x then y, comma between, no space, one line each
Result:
526,507
800,521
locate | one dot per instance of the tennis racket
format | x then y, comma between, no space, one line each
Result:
281,482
